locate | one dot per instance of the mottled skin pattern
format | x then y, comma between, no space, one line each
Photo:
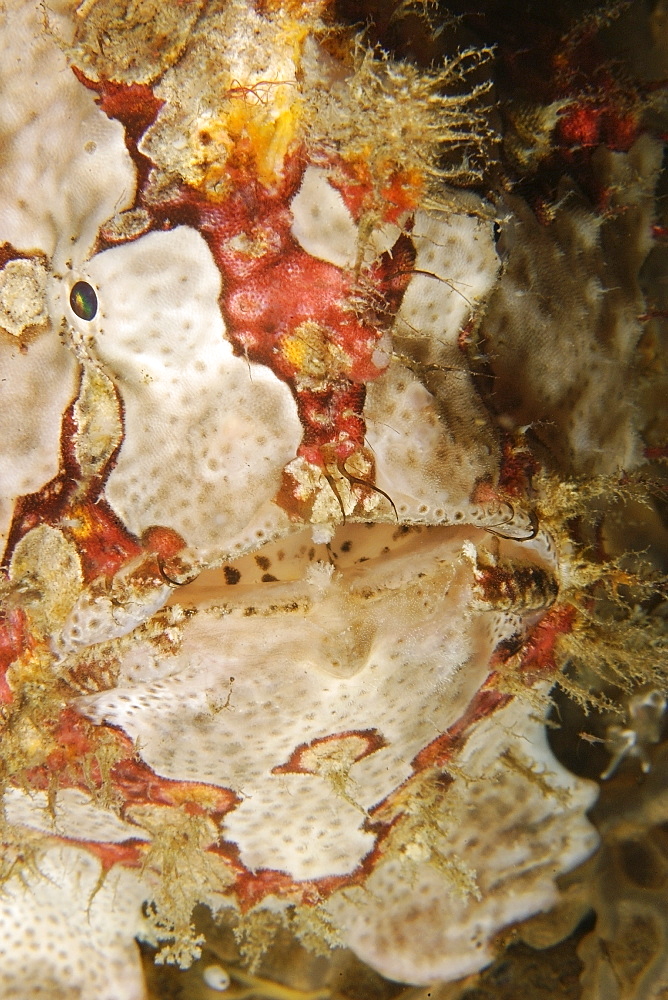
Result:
275,294
325,332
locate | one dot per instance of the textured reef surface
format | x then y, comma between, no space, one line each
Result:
330,377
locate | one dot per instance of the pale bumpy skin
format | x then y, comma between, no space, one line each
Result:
406,899
274,656
171,374
66,936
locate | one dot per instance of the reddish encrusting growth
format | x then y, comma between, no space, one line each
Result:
320,328
15,641
598,105
518,467
538,658
135,106
74,503
139,785
129,853
331,416
77,760
251,888
442,749
595,123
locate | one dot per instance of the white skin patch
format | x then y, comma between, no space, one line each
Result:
322,224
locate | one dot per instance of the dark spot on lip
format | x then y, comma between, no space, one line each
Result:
346,546
268,578
263,562
232,575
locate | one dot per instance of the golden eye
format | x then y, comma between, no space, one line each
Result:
83,300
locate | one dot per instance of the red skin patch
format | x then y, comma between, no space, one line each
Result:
580,126
134,106
15,641
590,124
444,747
129,854
75,505
537,653
400,193
333,425
354,183
252,887
518,467
538,658
164,542
134,781
76,739
104,545
139,785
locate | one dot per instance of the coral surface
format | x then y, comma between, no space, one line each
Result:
292,558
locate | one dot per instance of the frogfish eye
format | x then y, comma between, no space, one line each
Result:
83,300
